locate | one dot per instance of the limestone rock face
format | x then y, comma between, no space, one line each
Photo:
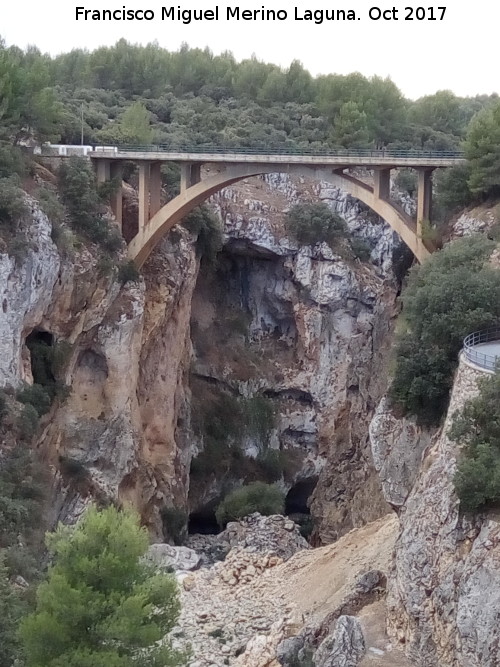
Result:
397,446
344,647
26,288
317,330
444,597
307,329
275,534
128,348
475,221
165,557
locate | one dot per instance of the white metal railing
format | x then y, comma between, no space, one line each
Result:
489,362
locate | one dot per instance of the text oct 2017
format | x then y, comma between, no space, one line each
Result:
237,13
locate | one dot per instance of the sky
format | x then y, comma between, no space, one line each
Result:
459,53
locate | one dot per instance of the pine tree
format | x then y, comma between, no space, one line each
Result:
101,606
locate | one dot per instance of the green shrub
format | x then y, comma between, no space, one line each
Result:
80,194
481,150
259,417
11,611
12,160
272,464
315,223
453,293
406,181
477,430
208,228
360,249
51,206
12,203
256,497
128,273
28,422
37,396
24,485
452,191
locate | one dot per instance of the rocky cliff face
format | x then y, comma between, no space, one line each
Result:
103,440
303,328
443,591
309,331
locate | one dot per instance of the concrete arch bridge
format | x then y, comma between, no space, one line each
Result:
206,171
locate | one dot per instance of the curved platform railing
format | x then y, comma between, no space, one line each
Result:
473,353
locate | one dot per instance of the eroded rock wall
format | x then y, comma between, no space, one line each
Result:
306,328
443,592
313,339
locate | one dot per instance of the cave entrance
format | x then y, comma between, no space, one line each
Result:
298,496
40,344
203,521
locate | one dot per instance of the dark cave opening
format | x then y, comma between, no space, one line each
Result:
40,344
203,521
297,498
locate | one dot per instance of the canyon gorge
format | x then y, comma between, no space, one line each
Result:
294,337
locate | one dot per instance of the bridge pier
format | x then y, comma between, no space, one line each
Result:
190,174
116,173
108,170
154,188
103,170
424,198
144,184
382,183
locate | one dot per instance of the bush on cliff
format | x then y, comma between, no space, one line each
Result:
477,429
266,499
80,195
315,223
101,606
452,294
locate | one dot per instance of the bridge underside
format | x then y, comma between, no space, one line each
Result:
198,185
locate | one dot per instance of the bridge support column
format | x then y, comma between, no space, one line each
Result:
382,184
116,173
190,174
103,169
155,188
424,196
144,180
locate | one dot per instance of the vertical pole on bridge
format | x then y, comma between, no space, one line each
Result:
424,198
155,188
382,183
144,174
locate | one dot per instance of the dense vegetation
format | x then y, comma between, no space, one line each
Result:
101,606
452,294
256,497
477,429
145,94
142,94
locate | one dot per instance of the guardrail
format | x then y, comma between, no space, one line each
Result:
326,152
489,362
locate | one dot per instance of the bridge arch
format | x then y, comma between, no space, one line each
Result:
141,246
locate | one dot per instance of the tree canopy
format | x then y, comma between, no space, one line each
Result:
101,606
453,293
192,96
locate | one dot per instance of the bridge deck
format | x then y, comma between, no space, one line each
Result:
281,160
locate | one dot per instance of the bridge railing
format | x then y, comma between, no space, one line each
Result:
471,351
287,150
